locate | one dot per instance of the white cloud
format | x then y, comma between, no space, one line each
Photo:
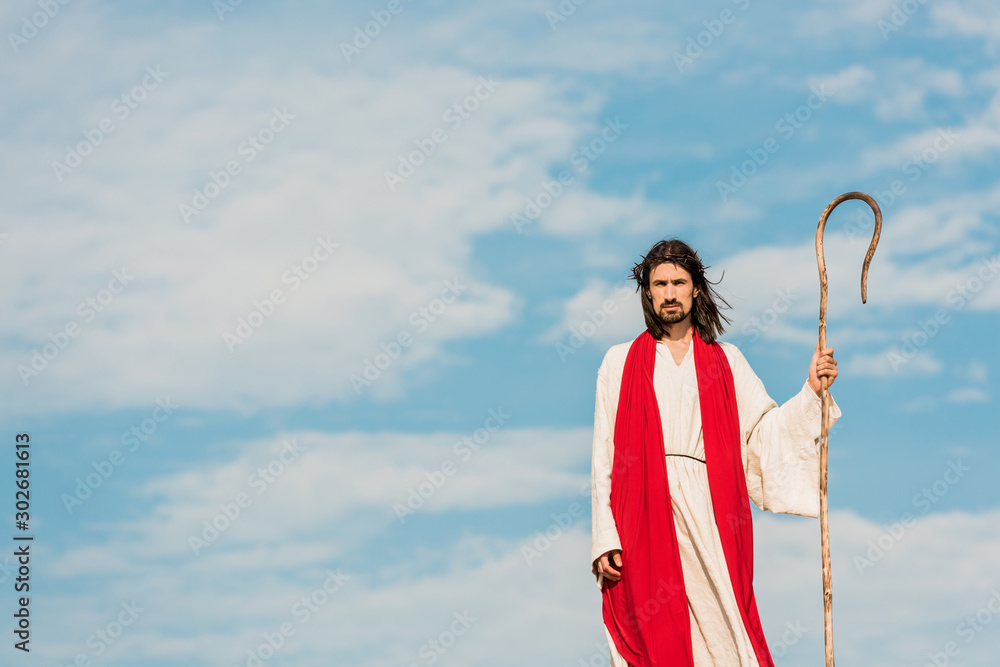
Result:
774,290
942,146
880,616
356,484
977,18
976,371
602,313
525,584
321,177
579,213
588,41
737,211
927,255
904,86
899,89
321,510
850,19
851,84
962,395
894,361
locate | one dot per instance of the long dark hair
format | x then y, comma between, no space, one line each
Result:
705,314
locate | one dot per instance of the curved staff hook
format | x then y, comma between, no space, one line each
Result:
825,433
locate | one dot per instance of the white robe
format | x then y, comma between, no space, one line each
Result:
780,459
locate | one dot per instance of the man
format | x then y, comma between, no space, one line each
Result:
684,431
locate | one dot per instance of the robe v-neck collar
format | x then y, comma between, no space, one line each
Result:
669,355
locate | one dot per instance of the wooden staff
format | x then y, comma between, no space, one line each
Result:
825,433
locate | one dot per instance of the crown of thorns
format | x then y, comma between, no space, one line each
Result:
690,262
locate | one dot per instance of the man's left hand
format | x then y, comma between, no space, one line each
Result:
822,365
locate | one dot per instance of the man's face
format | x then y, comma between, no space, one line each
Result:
672,292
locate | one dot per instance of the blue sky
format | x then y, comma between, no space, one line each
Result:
270,273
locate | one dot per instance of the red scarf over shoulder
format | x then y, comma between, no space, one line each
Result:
646,611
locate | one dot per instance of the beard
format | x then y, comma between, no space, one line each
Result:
672,317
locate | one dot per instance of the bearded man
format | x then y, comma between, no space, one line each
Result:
684,432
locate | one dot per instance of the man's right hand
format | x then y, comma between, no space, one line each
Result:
610,569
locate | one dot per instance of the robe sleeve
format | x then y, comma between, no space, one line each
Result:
780,443
604,531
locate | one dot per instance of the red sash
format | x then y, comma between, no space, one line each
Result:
646,611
